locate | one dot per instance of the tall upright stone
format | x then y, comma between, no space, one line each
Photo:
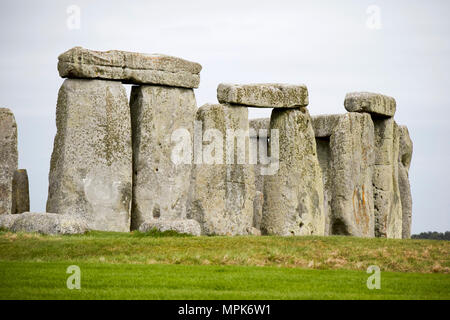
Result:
259,145
387,203
345,148
8,159
293,196
160,184
223,183
404,163
21,192
259,135
388,207
323,126
91,166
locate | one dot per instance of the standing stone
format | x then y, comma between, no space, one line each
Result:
91,165
346,157
160,185
129,67
323,128
21,194
259,130
259,138
387,201
404,162
8,159
223,189
258,204
293,197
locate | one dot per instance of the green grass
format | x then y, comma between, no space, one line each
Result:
171,266
35,280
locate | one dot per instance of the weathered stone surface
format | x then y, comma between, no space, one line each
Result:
259,130
21,194
258,203
222,192
373,103
91,165
259,135
257,125
187,226
8,158
347,159
324,125
405,155
160,185
252,231
388,208
7,220
293,197
48,223
129,67
264,95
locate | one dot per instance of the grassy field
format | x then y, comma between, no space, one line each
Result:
170,266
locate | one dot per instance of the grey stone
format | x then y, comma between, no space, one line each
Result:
129,67
259,130
252,231
264,95
255,126
347,159
187,226
324,124
91,166
222,193
373,103
21,194
405,155
387,200
160,185
258,203
293,196
8,158
7,220
49,223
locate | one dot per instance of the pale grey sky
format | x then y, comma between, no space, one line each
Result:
326,45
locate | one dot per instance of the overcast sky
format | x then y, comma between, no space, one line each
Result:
333,47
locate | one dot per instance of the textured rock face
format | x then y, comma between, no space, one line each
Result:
21,195
7,220
388,208
257,133
8,158
373,103
347,159
48,223
188,226
91,165
404,162
258,204
160,186
222,193
293,197
324,124
264,95
129,67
